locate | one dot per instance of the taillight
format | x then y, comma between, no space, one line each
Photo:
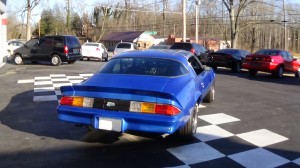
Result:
267,59
134,106
229,56
66,50
193,50
97,49
153,108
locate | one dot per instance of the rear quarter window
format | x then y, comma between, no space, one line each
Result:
183,46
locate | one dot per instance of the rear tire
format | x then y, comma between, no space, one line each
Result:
237,67
297,74
252,73
188,131
55,60
279,72
210,97
18,59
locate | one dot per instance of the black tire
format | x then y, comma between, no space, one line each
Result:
215,68
71,62
237,67
18,60
279,72
210,97
252,73
55,60
297,74
188,131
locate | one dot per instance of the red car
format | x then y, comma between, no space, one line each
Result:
272,60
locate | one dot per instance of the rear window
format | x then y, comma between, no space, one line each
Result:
182,46
268,52
227,51
91,44
72,42
144,66
124,45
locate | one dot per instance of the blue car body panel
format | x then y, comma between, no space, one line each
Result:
183,91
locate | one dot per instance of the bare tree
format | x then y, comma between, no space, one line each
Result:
31,4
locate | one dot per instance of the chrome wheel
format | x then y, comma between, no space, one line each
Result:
55,60
18,60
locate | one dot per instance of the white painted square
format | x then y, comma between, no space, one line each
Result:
57,92
44,98
76,81
258,157
262,137
59,79
74,77
57,75
26,81
211,132
86,75
219,118
195,153
297,161
56,85
43,78
43,89
43,83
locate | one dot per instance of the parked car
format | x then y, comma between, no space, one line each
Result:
272,60
150,91
195,48
124,46
94,51
56,49
160,46
12,45
230,58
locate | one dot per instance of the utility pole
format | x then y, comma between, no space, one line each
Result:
284,27
68,16
196,21
184,20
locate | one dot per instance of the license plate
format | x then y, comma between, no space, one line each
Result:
76,51
110,124
255,64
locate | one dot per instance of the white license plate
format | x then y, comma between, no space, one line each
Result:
110,124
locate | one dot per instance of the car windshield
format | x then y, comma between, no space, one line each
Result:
144,66
267,52
227,51
124,45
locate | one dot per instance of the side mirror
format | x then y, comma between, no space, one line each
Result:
295,59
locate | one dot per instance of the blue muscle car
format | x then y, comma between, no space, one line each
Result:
156,91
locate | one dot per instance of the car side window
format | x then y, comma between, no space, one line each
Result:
284,55
289,56
196,64
58,42
32,42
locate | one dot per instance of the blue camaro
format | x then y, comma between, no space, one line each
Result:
155,91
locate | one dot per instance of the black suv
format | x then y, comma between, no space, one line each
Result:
56,49
195,48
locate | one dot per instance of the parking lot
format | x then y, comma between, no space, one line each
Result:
253,122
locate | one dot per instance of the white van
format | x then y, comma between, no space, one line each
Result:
124,46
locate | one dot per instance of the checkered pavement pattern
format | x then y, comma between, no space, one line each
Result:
47,88
214,147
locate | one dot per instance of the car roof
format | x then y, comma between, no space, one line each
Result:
179,55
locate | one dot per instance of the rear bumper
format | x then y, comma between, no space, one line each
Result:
266,67
121,121
66,58
228,63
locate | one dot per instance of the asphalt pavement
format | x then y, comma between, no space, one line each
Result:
253,122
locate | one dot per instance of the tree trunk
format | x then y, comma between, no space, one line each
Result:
28,30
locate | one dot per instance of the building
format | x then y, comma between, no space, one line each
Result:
142,39
3,34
